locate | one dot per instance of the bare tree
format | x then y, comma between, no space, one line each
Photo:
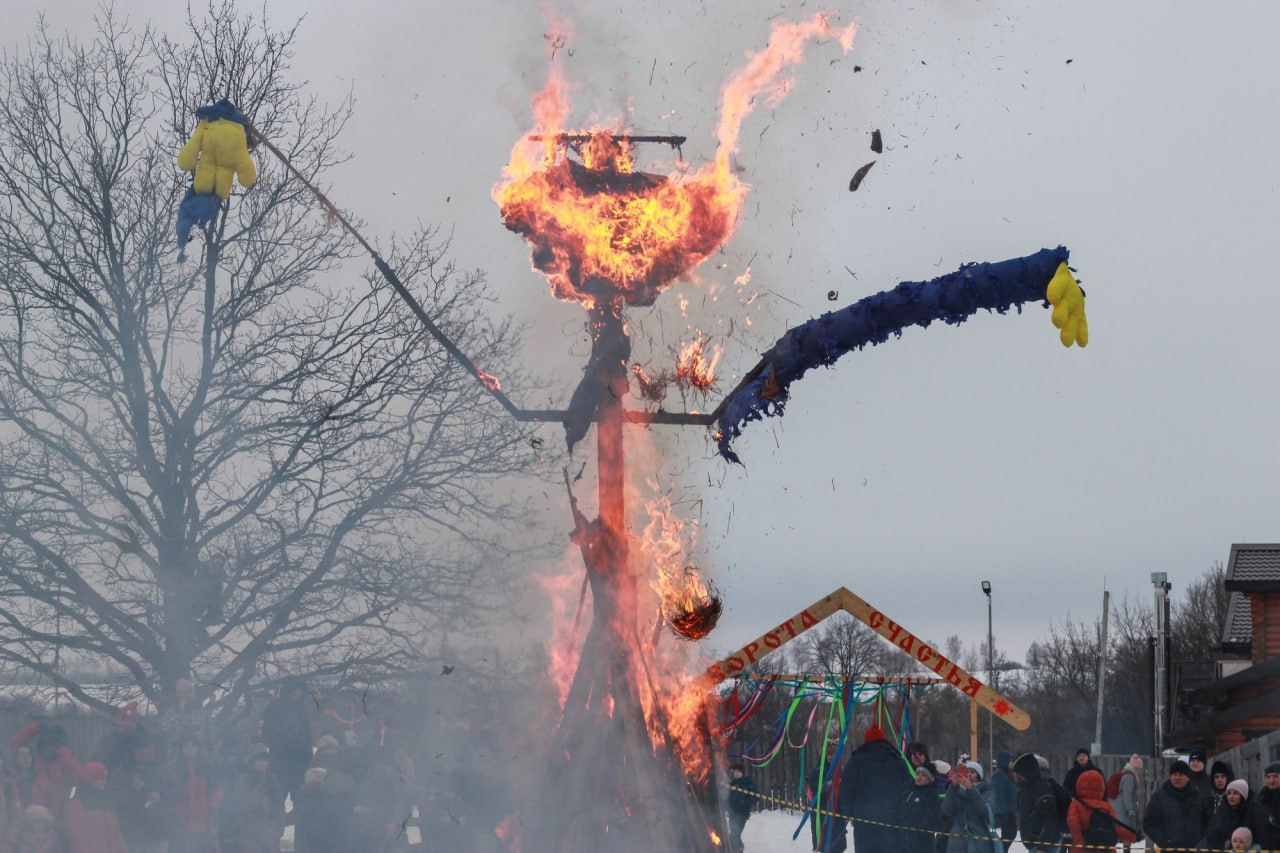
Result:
841,646
237,467
1200,618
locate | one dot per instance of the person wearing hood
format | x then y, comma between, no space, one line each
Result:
1082,763
1127,804
1266,809
1090,797
741,801
968,805
254,813
919,812
869,788
1004,799
1038,813
1175,814
1234,812
1220,775
92,826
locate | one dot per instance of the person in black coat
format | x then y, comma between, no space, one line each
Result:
1176,815
1039,817
1266,810
286,730
740,804
1083,763
1233,812
919,812
869,789
1220,775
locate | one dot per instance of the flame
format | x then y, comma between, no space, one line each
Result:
695,367
601,229
565,594
490,381
504,832
715,838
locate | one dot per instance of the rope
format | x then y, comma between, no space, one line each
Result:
389,274
794,806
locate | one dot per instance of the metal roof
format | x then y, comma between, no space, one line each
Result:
1239,627
1253,564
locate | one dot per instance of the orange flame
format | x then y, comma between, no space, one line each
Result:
600,229
695,367
490,381
565,594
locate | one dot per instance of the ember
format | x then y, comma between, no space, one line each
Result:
696,613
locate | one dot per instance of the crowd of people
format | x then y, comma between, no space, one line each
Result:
164,785
916,804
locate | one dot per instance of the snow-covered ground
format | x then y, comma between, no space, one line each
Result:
770,832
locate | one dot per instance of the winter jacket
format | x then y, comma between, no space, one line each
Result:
56,769
1226,820
1091,791
967,808
741,803
253,814
869,787
1004,792
1266,819
828,832
919,813
1126,805
91,823
1039,820
194,796
1069,781
1175,817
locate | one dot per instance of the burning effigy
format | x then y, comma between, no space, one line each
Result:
633,739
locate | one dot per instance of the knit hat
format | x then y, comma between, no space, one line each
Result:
1198,752
874,732
975,767
33,813
1223,768
93,771
917,746
1240,786
327,743
942,767
314,775
1082,751
924,769
1180,766
1243,833
1273,767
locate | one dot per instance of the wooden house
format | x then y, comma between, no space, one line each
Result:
1243,702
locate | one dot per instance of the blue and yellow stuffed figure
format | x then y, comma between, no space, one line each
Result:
217,151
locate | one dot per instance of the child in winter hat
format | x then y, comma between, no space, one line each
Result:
1241,839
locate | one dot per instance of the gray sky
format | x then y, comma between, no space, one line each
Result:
913,470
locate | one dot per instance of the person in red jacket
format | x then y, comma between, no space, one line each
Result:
1091,796
56,769
92,826
196,799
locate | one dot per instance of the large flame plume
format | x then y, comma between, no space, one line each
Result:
597,226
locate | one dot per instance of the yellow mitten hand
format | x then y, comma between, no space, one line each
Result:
1068,307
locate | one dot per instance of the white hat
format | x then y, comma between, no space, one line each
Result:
942,767
975,767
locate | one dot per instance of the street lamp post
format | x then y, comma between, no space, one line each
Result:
991,675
